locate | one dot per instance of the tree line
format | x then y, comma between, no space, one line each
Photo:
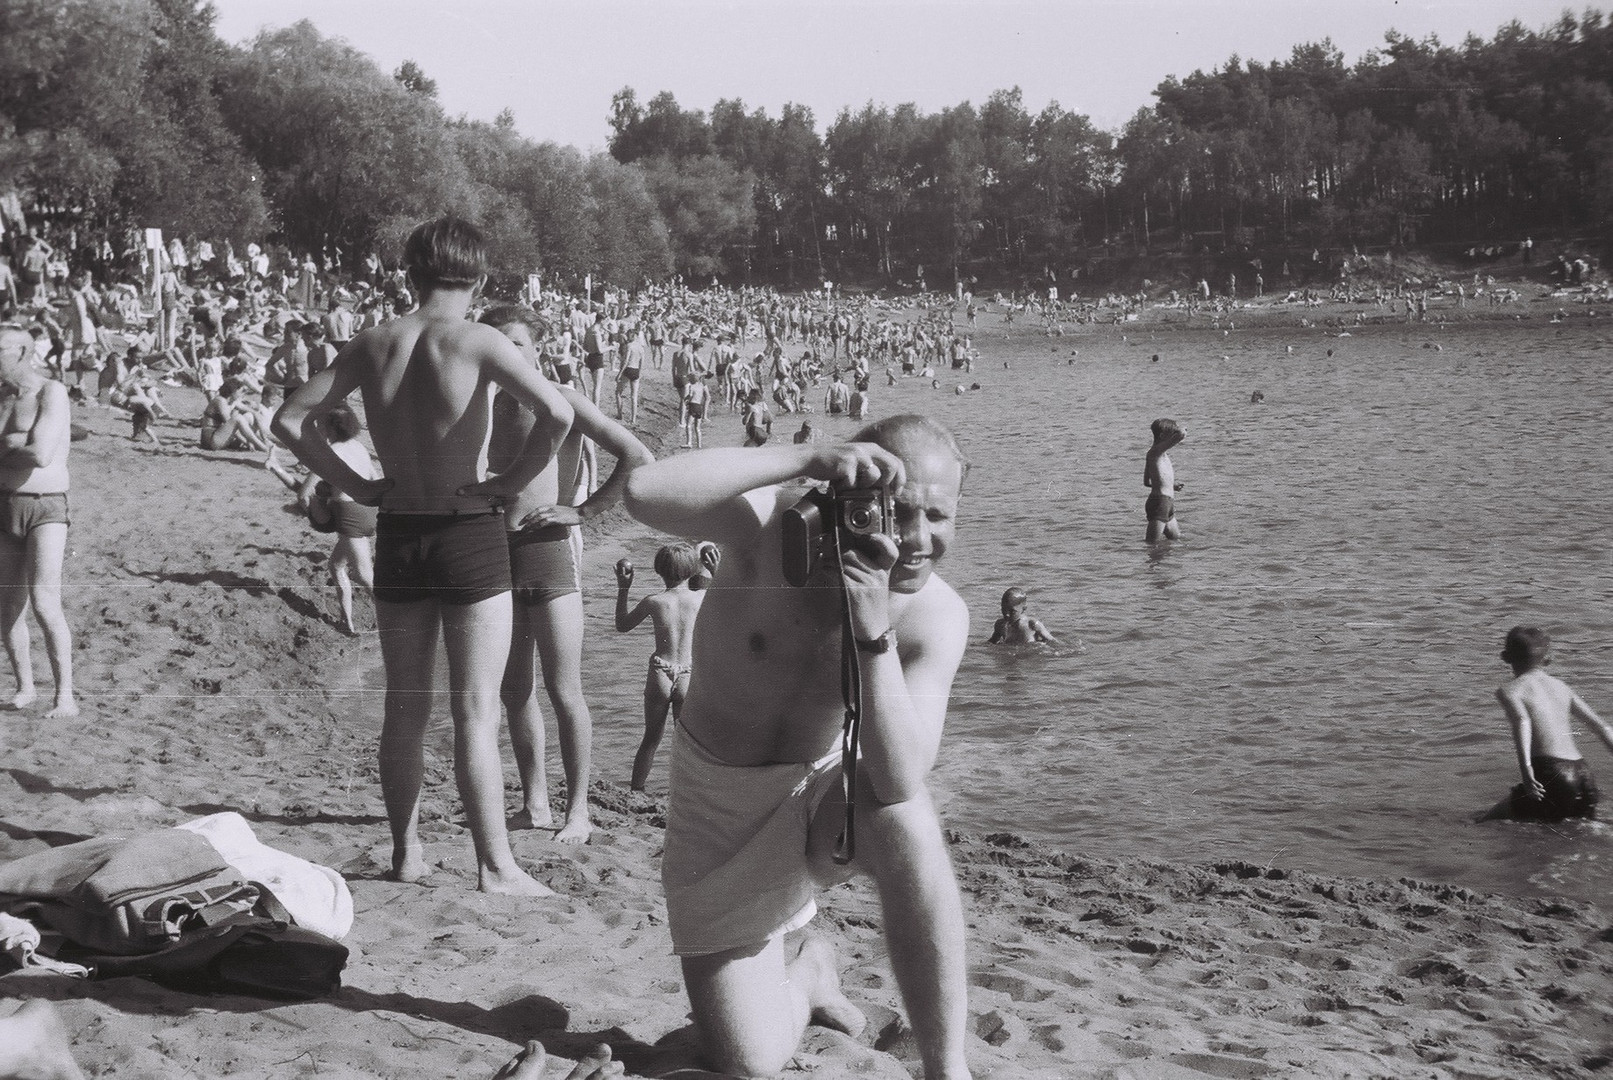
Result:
119,112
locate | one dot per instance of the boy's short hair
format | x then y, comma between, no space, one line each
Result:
1013,598
502,315
1164,428
448,253
1528,645
342,423
678,562
910,431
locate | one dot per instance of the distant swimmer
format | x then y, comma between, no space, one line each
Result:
1016,627
1160,477
1257,398
1557,784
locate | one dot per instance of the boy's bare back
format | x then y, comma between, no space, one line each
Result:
426,384
1547,704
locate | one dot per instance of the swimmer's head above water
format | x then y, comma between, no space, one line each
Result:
1527,648
1013,600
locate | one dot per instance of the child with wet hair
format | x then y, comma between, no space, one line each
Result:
1557,784
1159,476
1016,627
686,570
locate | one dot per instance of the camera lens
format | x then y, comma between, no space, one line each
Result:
860,517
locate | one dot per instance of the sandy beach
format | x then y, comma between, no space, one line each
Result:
214,676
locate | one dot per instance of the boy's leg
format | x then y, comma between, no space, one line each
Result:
657,701
409,634
519,692
340,558
557,626
47,547
901,846
13,612
477,637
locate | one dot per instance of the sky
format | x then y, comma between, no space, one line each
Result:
556,63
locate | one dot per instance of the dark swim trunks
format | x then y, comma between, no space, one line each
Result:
452,558
21,512
1160,507
1570,791
594,360
353,520
542,565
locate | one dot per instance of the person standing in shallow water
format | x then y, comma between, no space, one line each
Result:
36,431
1557,783
1159,476
442,562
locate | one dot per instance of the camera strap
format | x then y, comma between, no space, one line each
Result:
851,688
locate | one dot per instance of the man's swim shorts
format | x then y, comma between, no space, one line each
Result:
1570,791
353,520
1160,507
452,558
22,511
543,566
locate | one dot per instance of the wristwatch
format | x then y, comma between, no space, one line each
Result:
884,643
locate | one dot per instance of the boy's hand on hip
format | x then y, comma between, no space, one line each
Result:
370,492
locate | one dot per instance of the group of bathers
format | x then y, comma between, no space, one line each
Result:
465,558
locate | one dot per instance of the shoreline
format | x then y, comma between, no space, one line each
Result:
202,630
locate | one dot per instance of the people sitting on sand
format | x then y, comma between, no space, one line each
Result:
442,567
139,394
1557,783
761,787
685,570
547,629
230,421
1016,627
1159,476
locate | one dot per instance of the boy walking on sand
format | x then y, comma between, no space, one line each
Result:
442,563
684,570
1160,478
1557,783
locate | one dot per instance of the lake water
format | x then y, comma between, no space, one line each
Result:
1306,679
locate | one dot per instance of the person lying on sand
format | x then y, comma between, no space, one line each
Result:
442,565
1557,783
758,793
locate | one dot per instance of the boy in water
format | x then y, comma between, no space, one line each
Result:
1016,627
442,563
685,569
1160,478
1557,783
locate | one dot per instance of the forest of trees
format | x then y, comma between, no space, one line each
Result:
121,112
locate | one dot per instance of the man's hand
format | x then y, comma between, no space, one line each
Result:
552,515
868,586
856,465
497,490
369,492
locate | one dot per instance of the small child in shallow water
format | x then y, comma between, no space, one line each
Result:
1557,783
1017,628
686,570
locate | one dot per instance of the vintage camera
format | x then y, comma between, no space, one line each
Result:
810,526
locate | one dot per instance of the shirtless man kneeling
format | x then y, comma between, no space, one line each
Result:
35,423
757,798
442,564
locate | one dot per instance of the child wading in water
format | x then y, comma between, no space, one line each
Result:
686,570
1160,477
1557,783
1016,627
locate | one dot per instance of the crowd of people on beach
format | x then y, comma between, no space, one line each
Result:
793,765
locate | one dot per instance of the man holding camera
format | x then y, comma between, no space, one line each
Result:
758,795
